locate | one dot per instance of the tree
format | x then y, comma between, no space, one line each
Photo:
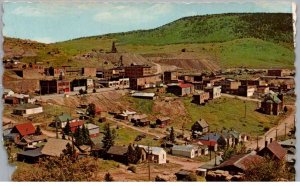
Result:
91,110
268,169
109,137
67,129
38,130
69,151
85,135
172,135
108,177
78,136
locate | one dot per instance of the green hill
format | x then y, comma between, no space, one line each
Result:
253,40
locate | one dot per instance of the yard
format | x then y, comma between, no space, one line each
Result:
230,113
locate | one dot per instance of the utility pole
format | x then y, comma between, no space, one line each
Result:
276,134
257,143
210,150
284,130
149,156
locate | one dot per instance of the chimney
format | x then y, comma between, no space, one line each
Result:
266,143
271,139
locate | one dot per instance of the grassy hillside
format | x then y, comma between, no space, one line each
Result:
275,27
252,40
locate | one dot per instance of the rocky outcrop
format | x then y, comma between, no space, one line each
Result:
164,177
220,175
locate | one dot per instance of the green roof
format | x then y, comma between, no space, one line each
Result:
272,98
64,117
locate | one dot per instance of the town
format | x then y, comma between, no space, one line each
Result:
164,125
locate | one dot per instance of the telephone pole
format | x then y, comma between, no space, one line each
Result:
284,130
276,134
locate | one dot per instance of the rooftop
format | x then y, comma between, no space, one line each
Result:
25,129
26,106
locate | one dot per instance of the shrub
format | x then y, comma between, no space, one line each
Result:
266,129
190,177
108,177
132,168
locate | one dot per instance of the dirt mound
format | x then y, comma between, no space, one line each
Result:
169,108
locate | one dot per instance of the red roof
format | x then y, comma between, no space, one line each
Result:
276,150
185,85
97,110
208,143
76,124
25,129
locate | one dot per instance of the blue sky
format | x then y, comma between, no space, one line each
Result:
59,21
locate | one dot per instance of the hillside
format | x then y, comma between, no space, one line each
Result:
211,42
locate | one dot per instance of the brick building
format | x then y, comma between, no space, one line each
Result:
275,72
246,90
145,82
89,72
135,71
214,91
170,77
54,86
55,71
181,89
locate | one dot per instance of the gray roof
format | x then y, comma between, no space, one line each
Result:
211,163
26,106
142,94
32,153
55,147
186,148
91,126
289,142
154,150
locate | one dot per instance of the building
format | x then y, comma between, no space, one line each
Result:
180,89
55,147
23,129
276,72
222,140
54,86
144,95
30,156
75,124
262,90
55,71
189,151
273,150
230,86
211,144
140,120
246,90
170,77
201,98
15,99
214,91
239,163
89,72
27,109
135,71
118,153
117,83
7,92
93,130
63,119
155,154
31,141
200,126
140,83
72,71
84,84
163,121
272,104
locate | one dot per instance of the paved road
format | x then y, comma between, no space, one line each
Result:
287,122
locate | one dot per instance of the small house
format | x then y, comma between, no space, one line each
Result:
63,119
180,89
214,91
7,92
200,126
273,150
163,121
118,153
211,144
30,156
189,151
155,154
27,109
30,141
55,147
93,130
201,98
75,124
144,95
23,129
246,90
272,104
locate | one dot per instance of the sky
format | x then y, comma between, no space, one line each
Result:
59,21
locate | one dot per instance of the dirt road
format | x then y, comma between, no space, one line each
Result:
240,97
186,163
287,122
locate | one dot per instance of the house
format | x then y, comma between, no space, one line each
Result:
135,71
149,81
31,141
55,147
137,118
75,124
246,90
144,95
272,104
211,144
30,156
262,90
163,121
77,84
117,83
201,98
93,130
219,138
155,154
170,77
89,72
290,147
273,150
63,119
23,129
214,91
118,153
54,86
239,163
200,126
189,151
27,109
230,86
180,89
7,92
237,137
18,99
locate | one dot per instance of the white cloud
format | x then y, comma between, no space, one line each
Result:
274,6
132,13
28,11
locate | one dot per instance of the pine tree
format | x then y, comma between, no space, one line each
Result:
109,137
38,130
67,129
78,136
91,110
172,135
85,135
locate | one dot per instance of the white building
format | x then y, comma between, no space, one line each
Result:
157,155
189,151
27,109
